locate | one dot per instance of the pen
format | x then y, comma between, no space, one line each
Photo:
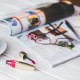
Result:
71,28
20,65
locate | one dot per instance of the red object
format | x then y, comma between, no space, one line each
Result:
11,63
34,37
33,62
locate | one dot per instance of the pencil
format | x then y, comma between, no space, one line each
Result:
71,28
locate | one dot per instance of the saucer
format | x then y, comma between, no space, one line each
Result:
3,46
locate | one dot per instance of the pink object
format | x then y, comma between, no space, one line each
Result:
11,63
34,37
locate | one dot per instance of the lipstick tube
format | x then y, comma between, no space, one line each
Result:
20,65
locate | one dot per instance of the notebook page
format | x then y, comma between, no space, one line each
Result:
50,53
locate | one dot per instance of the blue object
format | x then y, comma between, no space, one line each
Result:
13,22
31,12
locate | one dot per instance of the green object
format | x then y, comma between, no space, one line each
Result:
70,46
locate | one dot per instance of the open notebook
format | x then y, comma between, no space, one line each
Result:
50,54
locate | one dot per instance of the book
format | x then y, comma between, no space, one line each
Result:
47,47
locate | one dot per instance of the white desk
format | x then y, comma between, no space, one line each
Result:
8,7
68,71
